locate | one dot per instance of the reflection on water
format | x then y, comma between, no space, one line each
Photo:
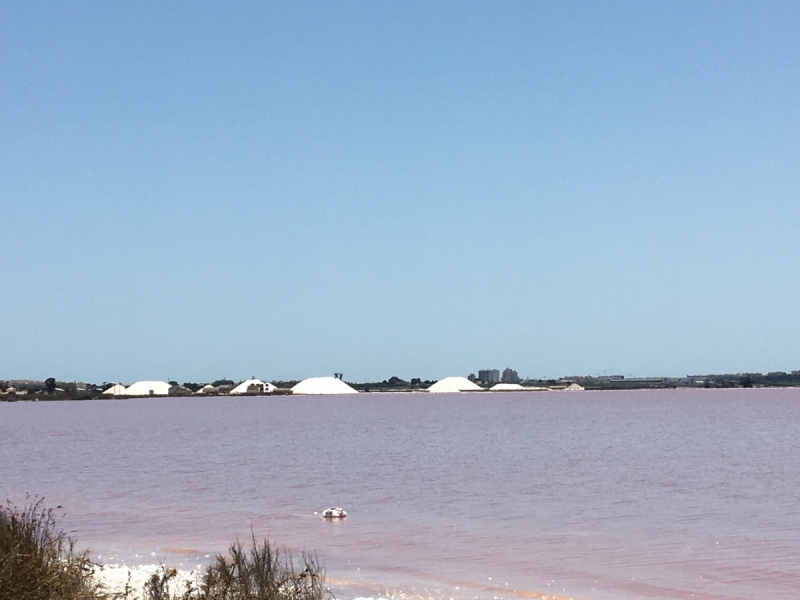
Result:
600,495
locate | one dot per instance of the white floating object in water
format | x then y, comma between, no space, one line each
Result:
334,512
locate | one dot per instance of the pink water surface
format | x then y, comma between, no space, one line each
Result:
598,495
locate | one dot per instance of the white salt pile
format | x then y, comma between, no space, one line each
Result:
507,387
323,386
253,386
574,387
454,384
148,388
115,390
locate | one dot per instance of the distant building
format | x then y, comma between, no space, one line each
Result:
179,390
489,375
509,376
224,384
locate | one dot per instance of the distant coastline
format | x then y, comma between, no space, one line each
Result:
51,389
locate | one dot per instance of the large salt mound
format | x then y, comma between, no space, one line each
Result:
253,386
454,384
507,387
148,388
323,385
115,390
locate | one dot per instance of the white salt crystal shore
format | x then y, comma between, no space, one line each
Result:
115,577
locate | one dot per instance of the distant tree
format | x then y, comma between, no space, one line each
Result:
285,385
174,383
50,385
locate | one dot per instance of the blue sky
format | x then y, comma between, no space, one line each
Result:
197,190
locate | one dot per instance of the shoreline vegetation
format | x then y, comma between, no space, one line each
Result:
38,561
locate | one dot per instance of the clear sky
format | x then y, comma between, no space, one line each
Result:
192,190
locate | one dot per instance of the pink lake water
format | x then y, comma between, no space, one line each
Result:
671,494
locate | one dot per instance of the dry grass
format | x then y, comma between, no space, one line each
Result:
262,573
38,562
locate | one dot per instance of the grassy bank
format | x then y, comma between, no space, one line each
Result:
38,561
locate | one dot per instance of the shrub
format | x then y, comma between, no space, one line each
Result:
38,562
262,573
37,559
